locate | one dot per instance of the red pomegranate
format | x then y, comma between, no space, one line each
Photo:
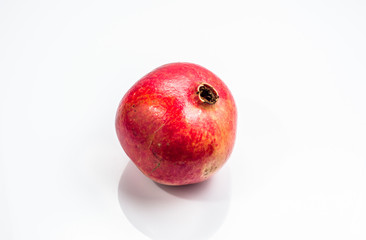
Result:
177,124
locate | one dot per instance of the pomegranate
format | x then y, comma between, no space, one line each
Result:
177,124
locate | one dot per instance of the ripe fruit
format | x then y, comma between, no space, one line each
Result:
177,124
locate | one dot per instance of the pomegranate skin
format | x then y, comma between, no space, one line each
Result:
177,124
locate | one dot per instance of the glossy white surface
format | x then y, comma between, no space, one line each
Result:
296,70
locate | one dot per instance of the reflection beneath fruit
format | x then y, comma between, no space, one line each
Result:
164,212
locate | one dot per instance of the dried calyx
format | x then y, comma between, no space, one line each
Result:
206,93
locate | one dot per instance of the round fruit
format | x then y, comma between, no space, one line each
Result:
177,124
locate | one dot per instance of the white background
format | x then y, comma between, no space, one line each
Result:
297,70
